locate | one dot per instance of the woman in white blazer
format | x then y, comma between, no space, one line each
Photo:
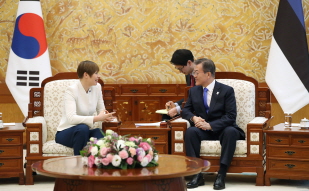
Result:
81,101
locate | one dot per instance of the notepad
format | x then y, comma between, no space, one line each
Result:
162,111
9,124
147,124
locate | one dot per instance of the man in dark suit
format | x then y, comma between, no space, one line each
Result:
211,110
183,61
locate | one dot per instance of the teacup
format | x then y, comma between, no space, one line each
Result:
304,123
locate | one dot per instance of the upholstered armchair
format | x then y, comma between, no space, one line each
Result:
44,115
253,114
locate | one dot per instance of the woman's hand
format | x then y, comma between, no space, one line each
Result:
104,116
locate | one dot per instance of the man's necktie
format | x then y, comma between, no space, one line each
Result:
205,99
192,80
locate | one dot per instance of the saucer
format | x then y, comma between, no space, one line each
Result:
304,128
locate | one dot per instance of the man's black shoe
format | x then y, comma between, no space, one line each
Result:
219,182
197,180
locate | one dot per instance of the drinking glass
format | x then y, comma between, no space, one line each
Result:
287,119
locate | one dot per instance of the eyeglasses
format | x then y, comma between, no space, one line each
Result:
195,73
180,69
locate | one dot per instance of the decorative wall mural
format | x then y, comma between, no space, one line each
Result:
133,40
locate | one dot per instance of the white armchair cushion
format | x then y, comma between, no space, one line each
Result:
214,147
53,103
40,119
245,101
51,147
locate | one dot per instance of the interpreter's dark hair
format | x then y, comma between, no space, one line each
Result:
87,66
181,57
208,65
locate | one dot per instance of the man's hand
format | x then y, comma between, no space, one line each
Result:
172,112
170,105
196,119
201,123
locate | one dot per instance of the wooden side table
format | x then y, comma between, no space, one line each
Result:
11,152
159,134
287,153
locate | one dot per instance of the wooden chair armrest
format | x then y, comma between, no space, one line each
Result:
111,125
255,136
267,124
25,121
173,119
177,142
34,136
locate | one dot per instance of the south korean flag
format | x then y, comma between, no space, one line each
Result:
29,62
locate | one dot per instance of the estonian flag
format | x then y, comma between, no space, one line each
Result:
287,73
29,62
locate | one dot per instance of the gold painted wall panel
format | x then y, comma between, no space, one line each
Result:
278,114
133,40
11,113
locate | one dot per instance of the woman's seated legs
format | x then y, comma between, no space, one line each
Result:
77,137
96,133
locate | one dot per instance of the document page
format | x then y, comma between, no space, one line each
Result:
157,124
162,111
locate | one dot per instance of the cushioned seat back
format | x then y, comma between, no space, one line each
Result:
53,103
245,100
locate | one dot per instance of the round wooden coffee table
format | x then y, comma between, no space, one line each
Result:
70,174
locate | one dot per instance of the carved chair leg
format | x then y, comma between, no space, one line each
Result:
29,175
260,176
